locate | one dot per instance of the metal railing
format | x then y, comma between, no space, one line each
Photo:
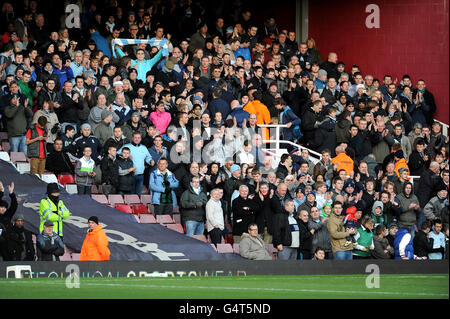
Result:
444,127
278,141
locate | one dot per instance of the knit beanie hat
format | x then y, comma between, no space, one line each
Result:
105,114
93,219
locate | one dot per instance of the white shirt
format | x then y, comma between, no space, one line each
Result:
214,215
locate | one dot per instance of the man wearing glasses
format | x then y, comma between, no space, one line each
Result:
252,246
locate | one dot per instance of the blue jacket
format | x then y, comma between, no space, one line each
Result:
140,156
409,250
144,66
288,116
156,186
102,43
156,156
244,52
64,75
239,114
219,105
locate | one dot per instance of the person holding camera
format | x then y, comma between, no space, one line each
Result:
53,127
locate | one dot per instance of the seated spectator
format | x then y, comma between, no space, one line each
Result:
49,245
382,249
84,172
319,254
19,241
252,246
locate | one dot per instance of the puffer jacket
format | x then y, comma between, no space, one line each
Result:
95,246
434,208
407,216
337,232
253,248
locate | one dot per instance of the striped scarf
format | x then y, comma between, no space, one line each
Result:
152,42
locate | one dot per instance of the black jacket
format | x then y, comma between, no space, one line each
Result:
244,213
68,111
19,240
281,230
110,171
49,248
5,219
126,181
265,213
423,245
426,185
59,163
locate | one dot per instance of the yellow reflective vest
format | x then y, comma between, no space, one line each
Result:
49,211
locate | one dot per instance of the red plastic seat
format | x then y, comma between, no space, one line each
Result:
200,237
124,208
164,219
100,198
18,157
114,199
131,199
224,248
139,209
146,199
175,227
64,179
147,219
176,218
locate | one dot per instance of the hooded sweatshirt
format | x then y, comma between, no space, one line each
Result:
408,216
379,219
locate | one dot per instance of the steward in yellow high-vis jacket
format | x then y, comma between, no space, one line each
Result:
53,209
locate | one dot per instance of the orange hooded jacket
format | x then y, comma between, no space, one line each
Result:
401,163
95,246
262,115
344,162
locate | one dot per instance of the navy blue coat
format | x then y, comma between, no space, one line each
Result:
219,105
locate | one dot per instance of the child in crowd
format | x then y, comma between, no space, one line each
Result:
126,172
84,172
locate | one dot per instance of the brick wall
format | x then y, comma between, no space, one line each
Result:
412,39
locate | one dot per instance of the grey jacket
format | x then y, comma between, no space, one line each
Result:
253,248
192,205
433,208
321,237
95,117
407,216
17,117
380,246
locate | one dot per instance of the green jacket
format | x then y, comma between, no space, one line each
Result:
365,239
49,211
29,93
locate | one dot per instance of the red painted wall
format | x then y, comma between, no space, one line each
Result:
412,39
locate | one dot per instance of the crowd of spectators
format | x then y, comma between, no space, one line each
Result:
185,119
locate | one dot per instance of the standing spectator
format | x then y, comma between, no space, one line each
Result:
321,237
192,207
244,209
110,172
382,249
433,210
364,239
215,223
265,212
20,243
58,162
49,246
160,117
126,172
84,172
95,245
17,115
438,240
52,126
162,185
409,208
252,246
140,156
36,139
70,105
403,245
338,233
306,235
422,242
53,209
286,234
104,130
6,213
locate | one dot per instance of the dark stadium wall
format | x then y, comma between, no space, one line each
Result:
412,38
